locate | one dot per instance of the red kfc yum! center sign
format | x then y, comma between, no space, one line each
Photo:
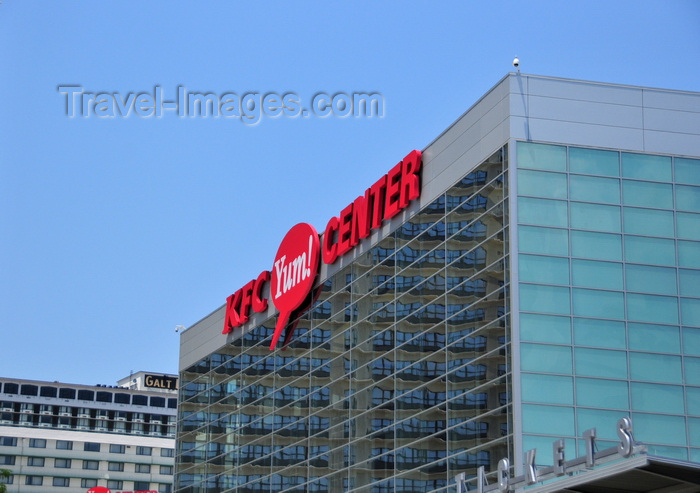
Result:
302,250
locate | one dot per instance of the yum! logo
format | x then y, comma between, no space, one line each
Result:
297,262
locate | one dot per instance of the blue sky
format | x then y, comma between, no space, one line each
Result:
115,230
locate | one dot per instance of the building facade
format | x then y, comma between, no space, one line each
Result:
545,282
57,437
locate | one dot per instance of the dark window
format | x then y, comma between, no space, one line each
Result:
86,395
29,390
143,468
167,452
166,469
122,398
64,482
165,488
8,480
8,441
143,450
88,483
7,460
141,486
91,465
37,443
113,484
158,401
64,445
11,388
115,466
35,461
91,447
66,393
116,449
139,400
172,403
103,396
34,480
48,392
62,463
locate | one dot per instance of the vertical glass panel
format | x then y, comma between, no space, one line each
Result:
547,389
594,189
545,328
692,371
603,246
691,341
655,368
645,194
550,420
595,274
689,254
544,358
646,167
549,270
604,421
687,171
541,156
694,433
648,222
688,198
542,212
689,282
595,217
601,363
654,428
647,279
655,398
688,226
599,333
690,311
594,162
656,338
598,304
680,453
542,184
547,299
692,397
543,240
657,251
611,394
543,444
652,309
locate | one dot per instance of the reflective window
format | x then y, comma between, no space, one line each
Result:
594,189
594,162
656,251
598,304
596,274
646,167
599,333
646,194
688,225
655,368
542,184
656,338
691,341
687,171
541,156
659,429
648,222
593,392
547,270
647,279
547,299
602,246
543,240
601,363
542,212
655,398
547,389
545,328
690,311
652,309
692,370
689,282
545,358
549,420
595,217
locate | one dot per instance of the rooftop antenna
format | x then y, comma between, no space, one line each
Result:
516,63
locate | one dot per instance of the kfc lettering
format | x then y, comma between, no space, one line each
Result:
296,263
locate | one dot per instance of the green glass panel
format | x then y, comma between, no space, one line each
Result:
551,420
655,428
689,282
542,184
598,304
692,371
541,156
545,328
604,421
648,279
548,270
543,240
652,309
593,392
656,338
648,222
690,311
599,333
655,398
547,389
691,341
688,226
594,162
544,299
688,198
689,254
670,452
646,167
542,212
595,274
594,189
545,358
605,218
601,363
694,431
687,171
692,398
694,454
602,246
656,251
646,194
543,445
655,368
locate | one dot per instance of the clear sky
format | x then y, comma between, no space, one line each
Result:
117,229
